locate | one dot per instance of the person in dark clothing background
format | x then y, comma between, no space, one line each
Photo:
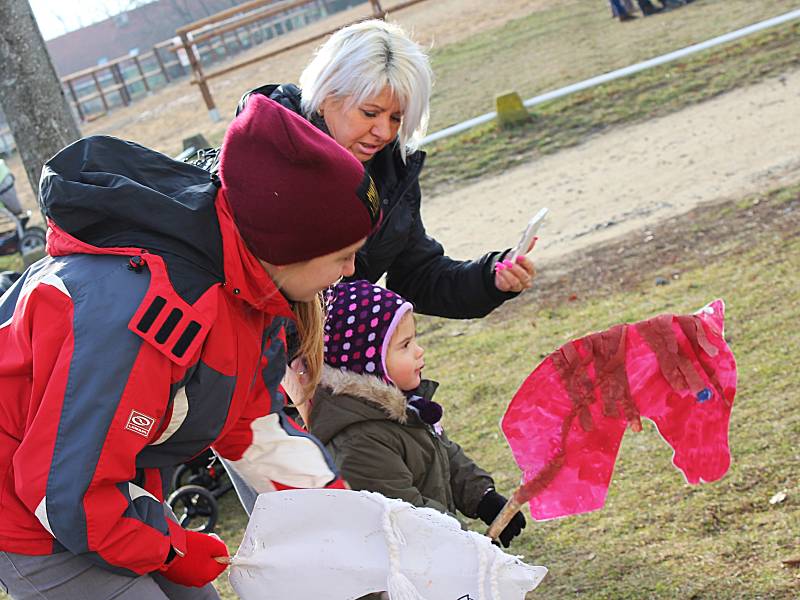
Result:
369,87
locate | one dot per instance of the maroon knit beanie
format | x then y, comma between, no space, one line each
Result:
295,193
362,317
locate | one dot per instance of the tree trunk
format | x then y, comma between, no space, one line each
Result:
30,91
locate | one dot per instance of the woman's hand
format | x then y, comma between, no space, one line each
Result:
514,276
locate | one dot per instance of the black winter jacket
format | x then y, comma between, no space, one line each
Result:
414,263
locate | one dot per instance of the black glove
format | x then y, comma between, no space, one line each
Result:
490,506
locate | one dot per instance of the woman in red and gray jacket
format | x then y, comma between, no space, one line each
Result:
161,280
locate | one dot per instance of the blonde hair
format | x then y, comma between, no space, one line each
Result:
359,61
310,318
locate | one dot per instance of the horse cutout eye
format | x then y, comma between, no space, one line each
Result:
704,395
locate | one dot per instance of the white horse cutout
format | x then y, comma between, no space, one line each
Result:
342,545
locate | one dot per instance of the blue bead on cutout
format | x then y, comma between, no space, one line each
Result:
704,395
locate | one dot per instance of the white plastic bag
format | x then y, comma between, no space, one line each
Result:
342,544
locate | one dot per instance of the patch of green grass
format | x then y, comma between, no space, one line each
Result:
569,41
487,150
11,263
657,537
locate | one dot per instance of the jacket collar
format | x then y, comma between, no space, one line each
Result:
245,276
370,389
426,389
375,391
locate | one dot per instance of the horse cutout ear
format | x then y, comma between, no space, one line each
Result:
713,314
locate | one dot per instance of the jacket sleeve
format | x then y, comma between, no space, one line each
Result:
279,455
467,480
95,396
439,285
374,463
266,447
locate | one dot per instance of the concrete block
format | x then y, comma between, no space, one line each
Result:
510,110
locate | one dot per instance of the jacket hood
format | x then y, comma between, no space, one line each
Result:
344,398
109,193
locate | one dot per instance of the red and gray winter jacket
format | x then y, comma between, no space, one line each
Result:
148,335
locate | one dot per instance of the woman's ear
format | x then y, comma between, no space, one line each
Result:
322,106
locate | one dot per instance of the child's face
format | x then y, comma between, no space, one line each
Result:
302,281
404,362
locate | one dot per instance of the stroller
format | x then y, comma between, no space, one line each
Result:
197,484
17,237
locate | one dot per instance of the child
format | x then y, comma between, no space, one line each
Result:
377,416
162,280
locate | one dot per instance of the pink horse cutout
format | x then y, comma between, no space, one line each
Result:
566,422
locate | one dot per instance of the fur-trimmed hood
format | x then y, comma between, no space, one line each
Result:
344,398
382,445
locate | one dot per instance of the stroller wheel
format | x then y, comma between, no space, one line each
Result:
32,245
181,476
195,507
188,475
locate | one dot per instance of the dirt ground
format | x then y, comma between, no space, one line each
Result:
666,248
620,181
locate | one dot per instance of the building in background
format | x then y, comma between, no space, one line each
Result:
138,30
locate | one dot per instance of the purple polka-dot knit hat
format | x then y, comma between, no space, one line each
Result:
362,318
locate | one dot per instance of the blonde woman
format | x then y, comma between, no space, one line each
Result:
369,86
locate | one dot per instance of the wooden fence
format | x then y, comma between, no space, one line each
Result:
200,31
95,91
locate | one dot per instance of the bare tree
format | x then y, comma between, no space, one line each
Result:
30,91
205,8
61,20
181,10
112,9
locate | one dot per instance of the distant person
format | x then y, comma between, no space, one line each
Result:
620,11
8,195
648,8
623,9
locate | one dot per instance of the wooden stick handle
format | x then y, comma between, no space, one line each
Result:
511,508
224,560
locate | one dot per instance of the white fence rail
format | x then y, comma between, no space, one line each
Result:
623,72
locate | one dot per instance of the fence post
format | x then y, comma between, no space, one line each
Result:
116,73
161,64
141,72
72,93
201,80
100,90
377,10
